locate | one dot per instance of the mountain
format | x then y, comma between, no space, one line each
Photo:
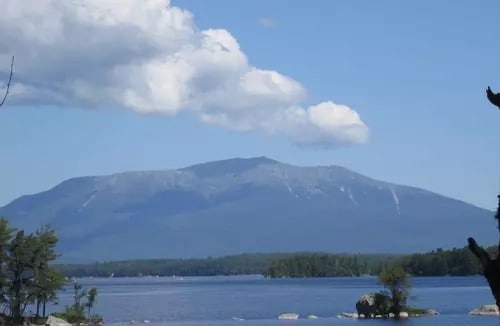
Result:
245,206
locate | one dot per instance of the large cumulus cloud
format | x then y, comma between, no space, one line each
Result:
149,56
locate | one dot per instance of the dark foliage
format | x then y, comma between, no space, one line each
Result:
493,97
454,262
27,276
490,267
83,300
329,265
397,282
229,265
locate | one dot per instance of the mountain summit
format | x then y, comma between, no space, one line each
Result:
245,205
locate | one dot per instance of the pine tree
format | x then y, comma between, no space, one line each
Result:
397,281
47,280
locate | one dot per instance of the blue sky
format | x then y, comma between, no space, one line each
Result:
415,72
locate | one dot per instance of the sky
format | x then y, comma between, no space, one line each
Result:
390,89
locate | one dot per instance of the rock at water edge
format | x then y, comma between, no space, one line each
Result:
485,310
289,316
54,321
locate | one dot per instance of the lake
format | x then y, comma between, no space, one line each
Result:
259,301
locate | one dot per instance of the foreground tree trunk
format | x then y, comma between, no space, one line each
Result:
491,267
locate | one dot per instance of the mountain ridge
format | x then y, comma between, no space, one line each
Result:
260,158
244,205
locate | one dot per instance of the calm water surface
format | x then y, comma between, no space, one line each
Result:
259,301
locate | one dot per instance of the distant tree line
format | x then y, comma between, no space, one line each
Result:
455,262
244,264
329,265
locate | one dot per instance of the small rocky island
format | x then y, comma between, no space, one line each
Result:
379,305
390,303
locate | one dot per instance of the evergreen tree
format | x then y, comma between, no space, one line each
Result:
397,281
6,235
26,275
91,298
47,280
21,264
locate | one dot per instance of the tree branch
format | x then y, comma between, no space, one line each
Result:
491,267
8,83
497,216
479,252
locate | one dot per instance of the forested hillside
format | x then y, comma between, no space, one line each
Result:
436,263
455,262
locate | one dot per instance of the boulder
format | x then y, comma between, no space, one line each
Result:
485,310
349,315
372,305
54,321
427,312
366,305
289,316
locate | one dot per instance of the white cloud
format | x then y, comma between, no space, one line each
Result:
150,57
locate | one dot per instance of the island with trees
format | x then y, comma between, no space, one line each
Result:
392,302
